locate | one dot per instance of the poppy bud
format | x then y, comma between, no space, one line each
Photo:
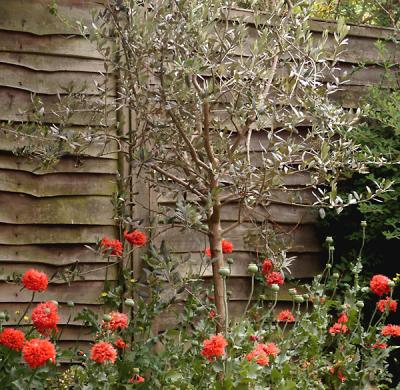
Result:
129,302
224,272
252,268
275,287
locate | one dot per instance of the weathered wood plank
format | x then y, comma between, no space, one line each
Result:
306,264
68,164
77,292
57,254
48,63
300,239
17,106
56,184
64,312
37,19
74,210
73,46
39,234
86,272
13,140
52,83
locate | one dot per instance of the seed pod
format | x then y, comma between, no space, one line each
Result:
252,268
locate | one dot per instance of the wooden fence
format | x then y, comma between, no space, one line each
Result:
47,216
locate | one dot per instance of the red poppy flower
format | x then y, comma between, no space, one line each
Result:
45,317
214,347
227,246
12,339
102,352
37,352
391,330
274,278
338,328
118,321
35,280
343,318
136,379
380,285
112,247
212,313
120,344
286,316
379,345
267,266
254,338
136,238
387,304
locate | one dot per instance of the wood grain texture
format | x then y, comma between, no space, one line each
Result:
48,63
52,234
37,18
52,83
61,45
68,164
74,210
49,254
56,184
77,292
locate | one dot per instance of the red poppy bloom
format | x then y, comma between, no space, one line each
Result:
380,285
207,251
102,352
112,247
12,339
136,238
45,317
214,346
35,280
118,321
387,304
261,353
340,375
254,338
37,352
286,316
227,246
267,266
212,313
379,345
120,344
343,318
136,379
274,278
338,328
391,330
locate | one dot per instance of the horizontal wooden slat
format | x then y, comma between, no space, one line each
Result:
52,83
17,106
13,140
68,164
39,234
304,266
37,18
60,45
43,62
84,272
78,292
74,210
60,255
298,239
14,310
56,184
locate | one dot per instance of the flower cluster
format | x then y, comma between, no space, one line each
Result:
136,238
35,280
267,266
274,278
102,352
227,247
37,352
214,347
111,247
379,285
285,316
388,304
45,317
12,339
261,353
117,321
